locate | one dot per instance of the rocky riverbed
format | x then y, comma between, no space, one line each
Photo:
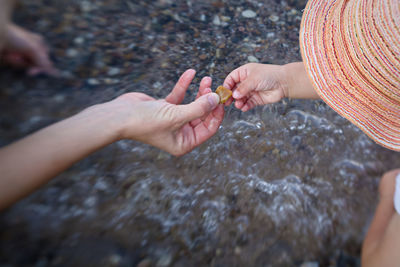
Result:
290,184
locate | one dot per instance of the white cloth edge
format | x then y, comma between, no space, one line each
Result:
397,195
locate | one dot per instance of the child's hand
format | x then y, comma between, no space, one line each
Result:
256,84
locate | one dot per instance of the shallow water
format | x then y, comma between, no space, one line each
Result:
280,185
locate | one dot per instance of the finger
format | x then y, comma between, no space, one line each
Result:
199,108
40,58
40,40
218,113
15,60
204,87
229,102
204,92
178,93
42,63
243,89
233,78
197,121
34,71
251,103
240,103
246,107
53,72
205,130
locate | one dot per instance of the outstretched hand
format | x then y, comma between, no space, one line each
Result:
165,123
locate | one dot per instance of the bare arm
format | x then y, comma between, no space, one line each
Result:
32,161
386,252
298,83
381,244
6,7
27,164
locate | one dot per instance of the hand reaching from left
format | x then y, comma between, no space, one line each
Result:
177,129
24,49
165,123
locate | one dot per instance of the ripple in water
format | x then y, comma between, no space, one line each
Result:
278,185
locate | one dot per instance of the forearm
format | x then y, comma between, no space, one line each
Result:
34,160
385,253
298,84
384,213
6,7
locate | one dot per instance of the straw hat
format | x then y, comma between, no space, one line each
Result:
351,50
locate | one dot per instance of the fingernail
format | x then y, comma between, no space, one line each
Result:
213,99
208,90
191,71
236,94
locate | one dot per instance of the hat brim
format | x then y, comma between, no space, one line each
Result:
343,68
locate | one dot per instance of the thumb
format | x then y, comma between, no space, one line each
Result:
243,89
197,109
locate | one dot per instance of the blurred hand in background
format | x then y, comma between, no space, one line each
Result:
21,48
24,49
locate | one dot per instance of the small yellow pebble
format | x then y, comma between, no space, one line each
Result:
224,94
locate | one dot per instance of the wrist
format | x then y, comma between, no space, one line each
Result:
286,80
298,83
105,121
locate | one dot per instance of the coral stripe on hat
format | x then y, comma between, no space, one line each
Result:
351,50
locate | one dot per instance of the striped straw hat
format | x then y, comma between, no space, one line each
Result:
351,50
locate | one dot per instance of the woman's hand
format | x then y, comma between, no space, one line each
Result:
177,129
256,84
165,123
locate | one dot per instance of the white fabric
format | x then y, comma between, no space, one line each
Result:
397,195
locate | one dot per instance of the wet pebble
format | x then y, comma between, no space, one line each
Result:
79,40
252,59
115,260
296,140
310,264
249,14
274,18
71,52
164,261
86,6
218,252
145,263
216,21
93,81
203,56
113,71
238,250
